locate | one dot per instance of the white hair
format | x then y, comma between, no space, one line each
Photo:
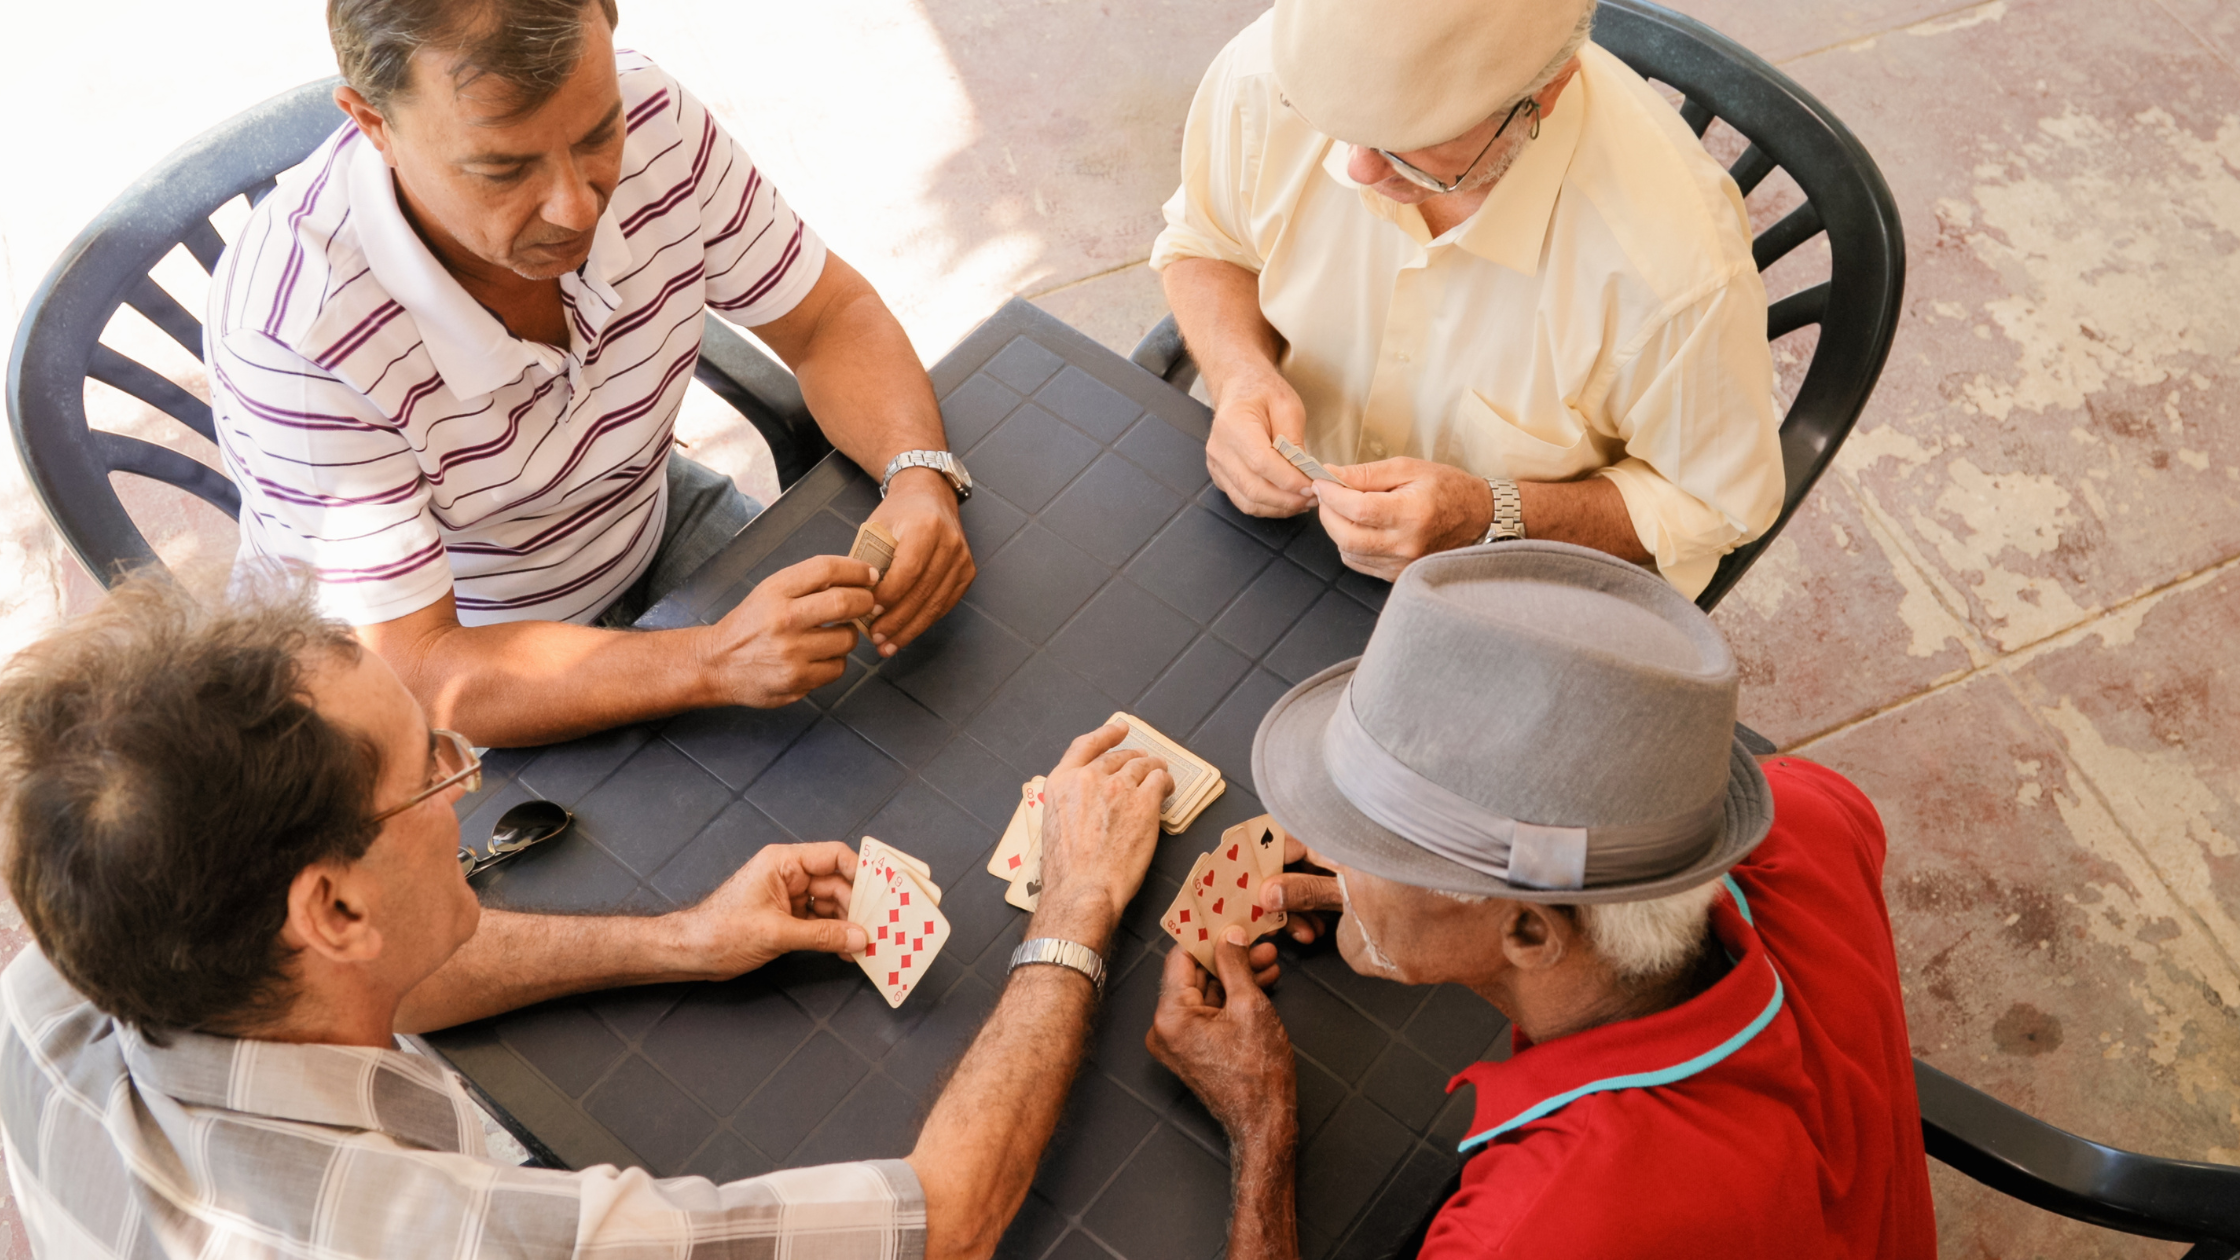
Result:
1500,165
1641,940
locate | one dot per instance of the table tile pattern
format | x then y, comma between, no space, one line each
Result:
1112,576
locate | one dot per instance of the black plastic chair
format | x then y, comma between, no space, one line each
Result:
1856,307
58,345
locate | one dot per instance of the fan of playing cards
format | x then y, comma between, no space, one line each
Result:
898,906
1224,888
1304,462
1018,856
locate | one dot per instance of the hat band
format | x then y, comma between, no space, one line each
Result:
1529,855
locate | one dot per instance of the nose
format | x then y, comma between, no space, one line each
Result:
1363,166
573,202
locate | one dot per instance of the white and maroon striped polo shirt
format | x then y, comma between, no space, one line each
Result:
386,428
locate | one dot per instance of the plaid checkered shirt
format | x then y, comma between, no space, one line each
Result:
214,1148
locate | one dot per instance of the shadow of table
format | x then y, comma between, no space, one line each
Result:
1113,575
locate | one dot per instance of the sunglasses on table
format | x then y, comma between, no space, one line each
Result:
456,764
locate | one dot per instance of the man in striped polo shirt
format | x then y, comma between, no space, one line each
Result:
447,354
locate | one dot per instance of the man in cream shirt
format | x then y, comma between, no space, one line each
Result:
1481,269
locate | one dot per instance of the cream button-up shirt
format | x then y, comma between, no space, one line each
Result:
1599,315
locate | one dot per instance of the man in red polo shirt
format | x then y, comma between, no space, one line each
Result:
1530,784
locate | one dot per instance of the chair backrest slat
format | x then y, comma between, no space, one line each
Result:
1805,306
1696,114
1794,229
261,190
202,241
124,453
1751,169
115,370
164,311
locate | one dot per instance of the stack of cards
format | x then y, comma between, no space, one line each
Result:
1018,857
898,906
1224,888
1196,782
875,547
1302,461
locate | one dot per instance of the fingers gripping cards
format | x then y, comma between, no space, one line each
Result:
875,547
1018,856
1196,782
899,910
1224,888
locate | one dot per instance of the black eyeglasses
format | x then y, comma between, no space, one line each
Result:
526,824
1425,179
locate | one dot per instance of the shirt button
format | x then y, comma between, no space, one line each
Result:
1402,356
1377,449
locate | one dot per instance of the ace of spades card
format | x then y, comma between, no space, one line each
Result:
901,920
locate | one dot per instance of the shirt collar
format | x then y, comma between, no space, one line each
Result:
407,1097
1511,227
1644,1053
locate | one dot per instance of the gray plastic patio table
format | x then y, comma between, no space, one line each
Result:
1113,575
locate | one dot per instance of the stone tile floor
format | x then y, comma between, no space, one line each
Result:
2007,612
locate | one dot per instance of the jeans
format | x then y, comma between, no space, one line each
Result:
706,511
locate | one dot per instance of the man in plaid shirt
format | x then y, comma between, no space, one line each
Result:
232,834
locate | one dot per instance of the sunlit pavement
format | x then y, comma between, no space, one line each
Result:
2007,613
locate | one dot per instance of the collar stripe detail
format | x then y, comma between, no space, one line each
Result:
1636,1080
1741,903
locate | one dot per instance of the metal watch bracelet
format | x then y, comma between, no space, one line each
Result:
1060,953
1508,512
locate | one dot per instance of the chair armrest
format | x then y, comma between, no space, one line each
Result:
759,388
2025,1158
1162,354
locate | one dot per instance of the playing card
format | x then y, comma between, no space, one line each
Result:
1229,889
1010,857
1302,461
1196,782
1186,922
1267,838
1026,884
873,849
905,928
875,547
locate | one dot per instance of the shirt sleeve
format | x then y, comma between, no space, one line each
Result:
1694,405
874,1210
325,481
1209,215
762,258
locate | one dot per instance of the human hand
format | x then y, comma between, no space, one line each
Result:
1100,824
787,897
932,562
1309,896
1240,453
1395,511
1224,1039
790,635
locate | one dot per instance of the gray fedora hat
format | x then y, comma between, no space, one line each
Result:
1530,720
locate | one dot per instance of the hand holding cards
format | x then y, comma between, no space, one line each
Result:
1302,461
899,909
1196,782
875,547
1224,888
1018,856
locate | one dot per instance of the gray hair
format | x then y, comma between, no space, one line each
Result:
1641,940
1577,40
528,46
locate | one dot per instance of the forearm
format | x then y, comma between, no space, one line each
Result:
1217,306
1265,1224
858,372
1591,513
978,1151
536,682
514,960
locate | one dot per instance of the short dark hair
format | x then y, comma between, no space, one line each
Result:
163,779
529,46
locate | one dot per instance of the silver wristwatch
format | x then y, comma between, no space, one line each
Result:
1508,512
940,461
1060,953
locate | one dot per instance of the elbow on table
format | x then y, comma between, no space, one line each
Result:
960,1224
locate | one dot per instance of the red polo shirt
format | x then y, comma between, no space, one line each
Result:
1772,1115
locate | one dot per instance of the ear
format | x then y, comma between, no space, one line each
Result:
369,120
1535,937
1548,94
328,915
